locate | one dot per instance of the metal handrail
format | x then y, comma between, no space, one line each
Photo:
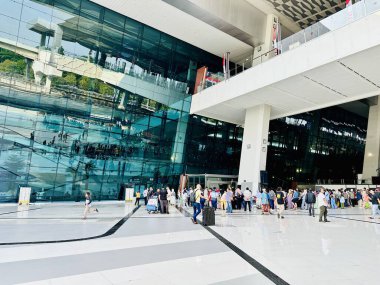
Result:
338,20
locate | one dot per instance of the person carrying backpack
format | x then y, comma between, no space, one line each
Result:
197,203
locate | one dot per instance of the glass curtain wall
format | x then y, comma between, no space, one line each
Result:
323,146
90,99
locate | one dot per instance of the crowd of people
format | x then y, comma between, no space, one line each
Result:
268,201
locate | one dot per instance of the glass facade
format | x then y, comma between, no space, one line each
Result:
91,99
323,146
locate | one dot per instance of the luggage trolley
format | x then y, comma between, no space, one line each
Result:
152,206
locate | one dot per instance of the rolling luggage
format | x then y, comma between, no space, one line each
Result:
265,209
208,216
152,206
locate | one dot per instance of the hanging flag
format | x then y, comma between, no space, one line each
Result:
349,10
224,65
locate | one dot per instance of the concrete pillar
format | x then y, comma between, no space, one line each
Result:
254,148
29,63
372,146
43,40
48,84
38,77
57,42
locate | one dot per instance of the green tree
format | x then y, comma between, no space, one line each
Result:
7,54
85,83
105,89
13,66
70,79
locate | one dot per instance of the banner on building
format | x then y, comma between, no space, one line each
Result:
183,182
200,79
129,194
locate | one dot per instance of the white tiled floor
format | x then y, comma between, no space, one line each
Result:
169,249
303,251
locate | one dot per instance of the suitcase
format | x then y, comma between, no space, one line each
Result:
266,209
208,216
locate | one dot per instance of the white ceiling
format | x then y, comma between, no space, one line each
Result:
164,17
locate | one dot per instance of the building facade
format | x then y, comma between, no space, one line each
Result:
91,99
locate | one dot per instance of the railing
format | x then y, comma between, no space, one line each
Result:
336,21
129,69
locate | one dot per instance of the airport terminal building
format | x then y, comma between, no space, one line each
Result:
93,97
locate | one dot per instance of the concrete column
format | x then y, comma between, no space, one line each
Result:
254,148
38,77
372,146
57,42
43,40
48,84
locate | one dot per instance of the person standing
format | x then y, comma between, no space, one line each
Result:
247,199
223,201
163,196
375,203
145,194
214,198
303,197
359,198
322,202
184,198
272,196
265,202
310,201
229,197
258,199
137,195
332,201
191,197
280,202
289,199
295,199
197,203
239,198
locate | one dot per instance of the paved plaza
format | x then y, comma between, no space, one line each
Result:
122,245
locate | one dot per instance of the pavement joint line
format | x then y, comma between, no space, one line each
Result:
356,220
111,231
253,262
13,212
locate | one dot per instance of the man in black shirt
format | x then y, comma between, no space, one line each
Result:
163,196
279,202
375,203
310,201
